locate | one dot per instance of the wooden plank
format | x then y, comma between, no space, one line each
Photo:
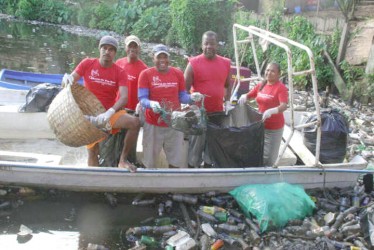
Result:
297,145
288,158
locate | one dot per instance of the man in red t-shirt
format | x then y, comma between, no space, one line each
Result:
164,86
208,74
104,79
133,66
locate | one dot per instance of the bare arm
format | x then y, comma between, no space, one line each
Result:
282,107
76,77
188,77
228,88
122,100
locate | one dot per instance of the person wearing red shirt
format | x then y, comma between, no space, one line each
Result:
162,85
133,66
104,79
208,74
272,97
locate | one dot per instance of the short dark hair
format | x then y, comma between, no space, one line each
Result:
277,65
210,33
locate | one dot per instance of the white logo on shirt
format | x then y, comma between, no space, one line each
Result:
95,73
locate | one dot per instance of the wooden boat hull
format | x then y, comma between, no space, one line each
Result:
172,180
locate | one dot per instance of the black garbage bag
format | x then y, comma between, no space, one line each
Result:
236,140
40,97
334,136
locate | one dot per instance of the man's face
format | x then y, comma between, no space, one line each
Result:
107,53
209,46
161,62
133,50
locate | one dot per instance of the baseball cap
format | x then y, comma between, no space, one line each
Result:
160,48
131,39
108,40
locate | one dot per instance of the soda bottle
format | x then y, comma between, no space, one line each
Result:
163,229
212,209
204,242
96,247
144,202
164,221
221,216
217,244
149,241
236,213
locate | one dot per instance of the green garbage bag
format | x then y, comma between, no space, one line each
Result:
273,205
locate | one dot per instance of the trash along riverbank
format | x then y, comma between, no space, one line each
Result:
279,216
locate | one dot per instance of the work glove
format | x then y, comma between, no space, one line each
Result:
67,80
243,99
155,106
103,118
269,113
228,107
196,97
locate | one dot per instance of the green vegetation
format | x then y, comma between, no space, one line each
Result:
191,18
182,23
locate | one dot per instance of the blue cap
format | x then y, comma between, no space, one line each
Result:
160,48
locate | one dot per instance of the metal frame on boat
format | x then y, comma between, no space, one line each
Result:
200,180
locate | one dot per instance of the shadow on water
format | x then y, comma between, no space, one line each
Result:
50,49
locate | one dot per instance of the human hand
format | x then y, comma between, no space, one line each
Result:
67,80
243,99
196,97
269,113
104,117
228,107
155,106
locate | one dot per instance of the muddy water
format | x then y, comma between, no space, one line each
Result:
66,220
51,49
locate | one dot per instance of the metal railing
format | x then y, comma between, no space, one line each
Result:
283,43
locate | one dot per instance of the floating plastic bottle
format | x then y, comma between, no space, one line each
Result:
228,228
252,225
211,209
207,217
149,241
221,216
144,202
208,230
204,242
168,206
185,198
164,221
163,229
140,230
236,214
161,209
217,244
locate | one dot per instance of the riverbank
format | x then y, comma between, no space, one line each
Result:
84,31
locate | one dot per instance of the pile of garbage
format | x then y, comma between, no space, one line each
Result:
343,219
360,118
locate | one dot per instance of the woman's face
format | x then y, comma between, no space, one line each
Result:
272,73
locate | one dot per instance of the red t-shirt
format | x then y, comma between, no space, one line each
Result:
102,82
133,71
270,97
209,78
164,88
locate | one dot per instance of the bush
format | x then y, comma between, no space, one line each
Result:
154,24
191,18
101,17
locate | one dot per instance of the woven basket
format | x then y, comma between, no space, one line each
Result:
66,116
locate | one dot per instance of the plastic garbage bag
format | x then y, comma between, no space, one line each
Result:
190,121
273,205
40,97
236,140
334,136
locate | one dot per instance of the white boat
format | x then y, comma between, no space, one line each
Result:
40,171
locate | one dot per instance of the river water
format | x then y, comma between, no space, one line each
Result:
61,220
36,47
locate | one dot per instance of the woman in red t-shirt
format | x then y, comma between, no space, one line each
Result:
271,96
